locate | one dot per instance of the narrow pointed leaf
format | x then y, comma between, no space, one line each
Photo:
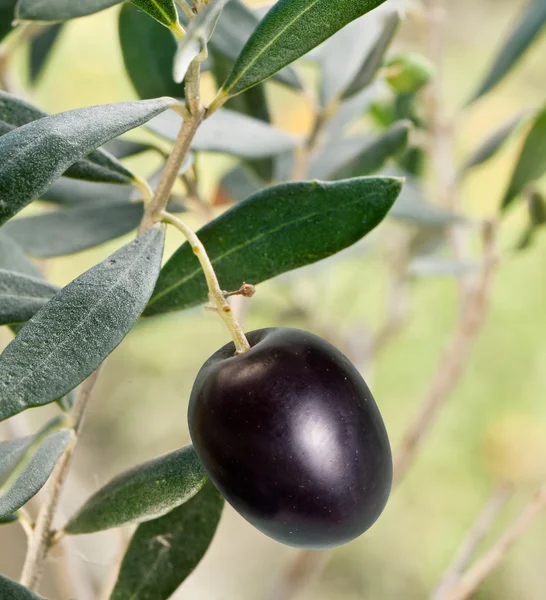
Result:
41,47
348,47
289,30
148,51
7,13
13,258
123,148
33,156
60,10
15,591
145,492
96,166
235,26
285,227
76,330
523,34
531,164
163,11
230,132
199,31
33,472
494,143
373,61
357,156
7,520
76,192
69,231
165,551
22,296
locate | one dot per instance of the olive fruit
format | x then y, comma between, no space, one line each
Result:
291,436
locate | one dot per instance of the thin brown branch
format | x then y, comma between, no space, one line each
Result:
453,361
42,539
495,555
481,527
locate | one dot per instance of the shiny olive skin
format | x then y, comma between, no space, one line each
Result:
291,436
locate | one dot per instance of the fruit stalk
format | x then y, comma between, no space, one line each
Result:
216,295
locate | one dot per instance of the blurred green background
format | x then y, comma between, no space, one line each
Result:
140,407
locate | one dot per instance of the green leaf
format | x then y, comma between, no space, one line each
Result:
163,11
33,156
145,492
12,258
289,30
164,552
7,520
76,330
276,230
531,164
235,26
375,57
97,166
15,591
494,143
41,47
72,230
33,468
7,13
59,10
199,31
123,148
520,38
360,155
22,296
348,47
230,132
148,51
76,192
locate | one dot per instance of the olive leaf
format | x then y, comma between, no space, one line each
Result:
297,223
348,47
235,26
494,143
123,148
13,518
59,10
41,47
199,31
163,11
145,492
359,155
76,192
75,229
77,329
7,13
22,296
289,30
12,257
520,38
531,164
33,156
165,551
239,184
374,59
27,465
96,166
15,591
148,51
230,132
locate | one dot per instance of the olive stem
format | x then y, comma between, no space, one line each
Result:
216,295
42,538
481,527
470,582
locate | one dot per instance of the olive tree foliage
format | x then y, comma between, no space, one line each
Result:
289,201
